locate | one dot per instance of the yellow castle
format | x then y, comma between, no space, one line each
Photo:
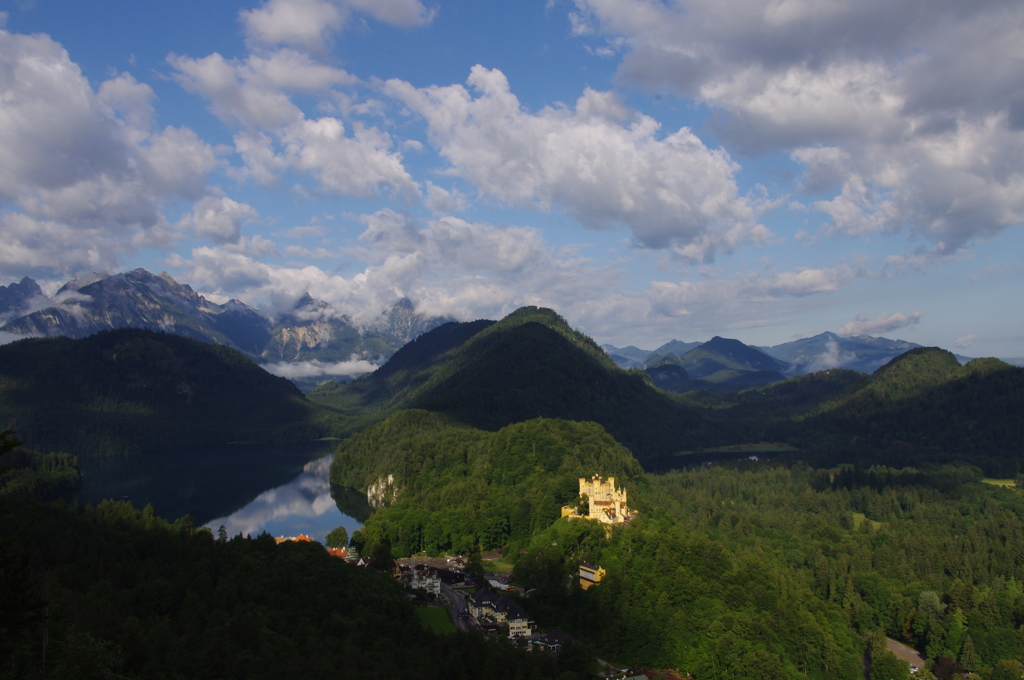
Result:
606,503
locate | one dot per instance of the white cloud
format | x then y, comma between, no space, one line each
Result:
130,98
447,266
315,368
301,23
471,270
965,342
219,218
83,176
600,161
832,357
441,201
913,118
253,93
880,324
176,161
310,24
355,166
406,13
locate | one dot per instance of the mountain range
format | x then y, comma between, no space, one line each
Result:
311,330
722,365
920,406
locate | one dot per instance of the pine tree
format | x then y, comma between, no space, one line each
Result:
969,655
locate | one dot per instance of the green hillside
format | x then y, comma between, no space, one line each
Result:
921,408
120,593
716,357
130,391
530,364
443,486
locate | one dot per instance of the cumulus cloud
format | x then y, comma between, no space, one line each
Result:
447,266
302,23
219,218
913,119
254,91
965,342
276,136
880,324
84,175
600,161
310,24
441,201
470,270
315,368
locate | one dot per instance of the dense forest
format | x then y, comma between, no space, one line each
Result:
806,564
742,570
922,408
114,592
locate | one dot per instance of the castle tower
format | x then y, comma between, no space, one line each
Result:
607,504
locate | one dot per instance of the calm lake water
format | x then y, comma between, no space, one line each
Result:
248,488
302,506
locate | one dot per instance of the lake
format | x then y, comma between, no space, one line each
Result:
304,505
281,489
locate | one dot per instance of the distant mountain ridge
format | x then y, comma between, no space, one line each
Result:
723,365
312,330
17,296
920,408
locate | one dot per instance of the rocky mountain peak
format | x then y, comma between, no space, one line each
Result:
15,297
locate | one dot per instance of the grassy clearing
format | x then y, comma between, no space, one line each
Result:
436,619
751,448
1000,482
859,518
497,566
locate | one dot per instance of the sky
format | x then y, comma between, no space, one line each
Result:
763,170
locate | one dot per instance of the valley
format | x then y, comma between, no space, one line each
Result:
783,530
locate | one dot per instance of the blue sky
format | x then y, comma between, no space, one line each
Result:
651,169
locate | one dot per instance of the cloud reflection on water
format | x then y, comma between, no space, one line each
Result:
303,506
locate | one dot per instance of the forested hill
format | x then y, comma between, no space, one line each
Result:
924,407
530,364
921,408
450,487
129,390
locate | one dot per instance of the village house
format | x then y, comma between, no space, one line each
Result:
551,641
491,608
590,575
421,576
301,538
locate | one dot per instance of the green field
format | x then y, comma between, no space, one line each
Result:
1000,482
752,448
436,619
859,518
497,566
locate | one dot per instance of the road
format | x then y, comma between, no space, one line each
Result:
458,603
